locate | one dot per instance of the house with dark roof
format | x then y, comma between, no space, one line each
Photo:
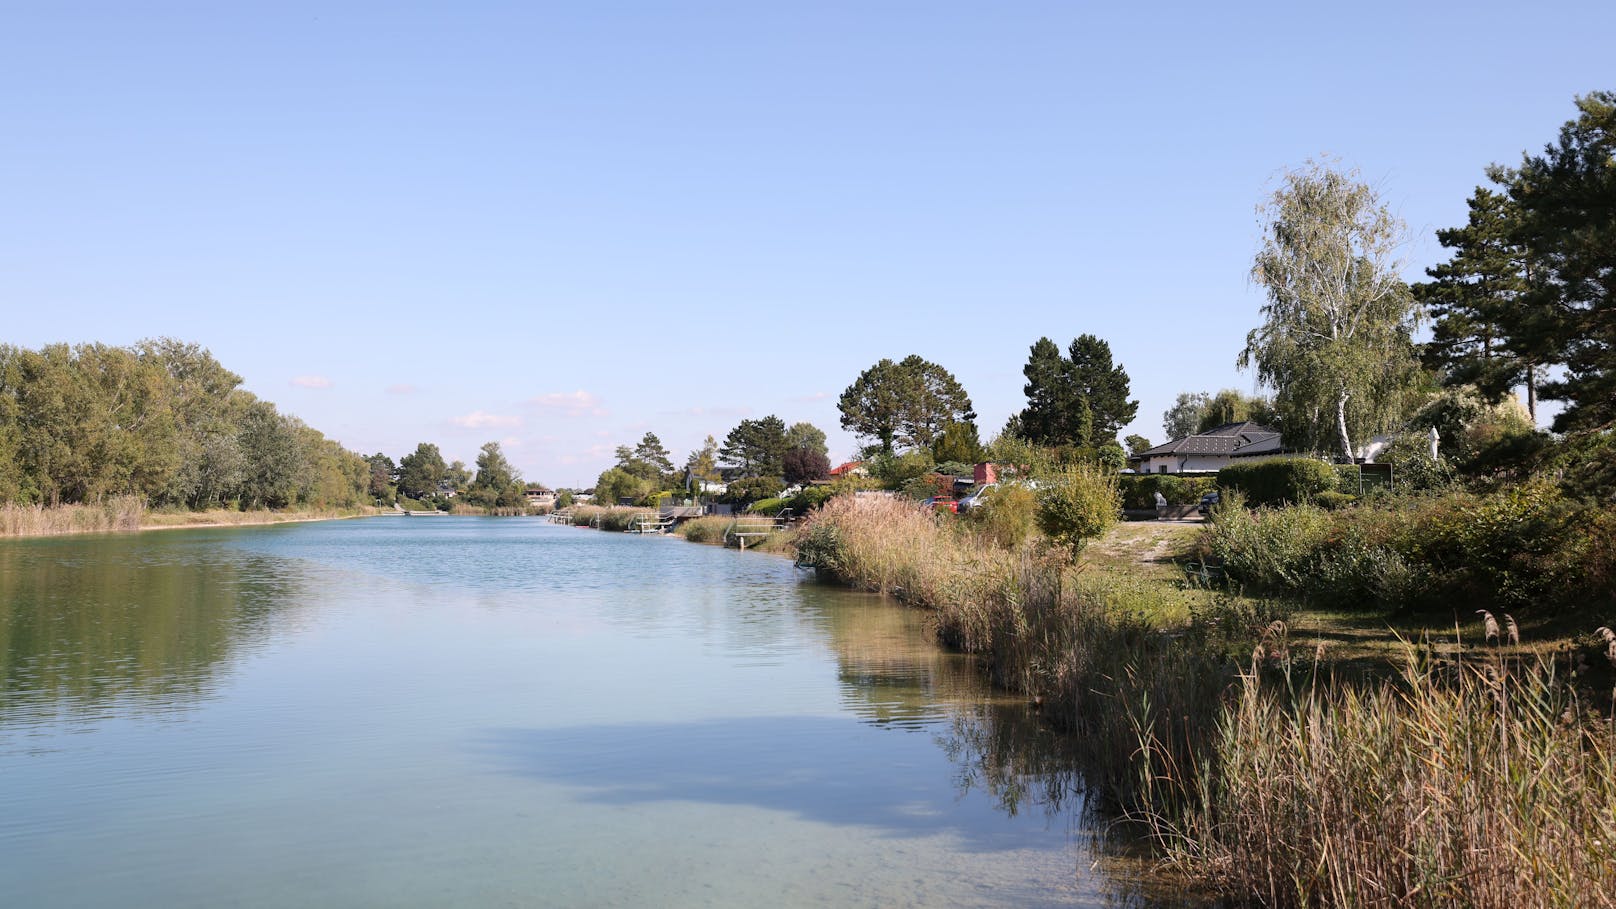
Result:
1210,451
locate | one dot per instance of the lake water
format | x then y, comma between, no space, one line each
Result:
502,712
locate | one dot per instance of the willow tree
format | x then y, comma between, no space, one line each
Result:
1335,343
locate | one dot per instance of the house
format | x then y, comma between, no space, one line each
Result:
540,496
1210,451
851,468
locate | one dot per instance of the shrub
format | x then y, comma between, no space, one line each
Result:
1081,504
746,491
1281,481
810,498
1007,516
1330,501
767,506
708,529
1139,491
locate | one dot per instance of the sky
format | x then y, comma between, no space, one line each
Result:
560,226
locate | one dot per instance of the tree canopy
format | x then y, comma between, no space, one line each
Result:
1079,399
905,404
1335,343
756,448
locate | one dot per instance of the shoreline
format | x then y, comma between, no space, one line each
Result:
114,518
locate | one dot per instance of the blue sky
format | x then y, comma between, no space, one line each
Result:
560,226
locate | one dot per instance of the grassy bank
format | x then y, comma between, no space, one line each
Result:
128,514
1469,777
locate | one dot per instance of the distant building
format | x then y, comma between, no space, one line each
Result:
540,496
1211,451
850,469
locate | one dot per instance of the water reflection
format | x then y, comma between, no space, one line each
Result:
86,623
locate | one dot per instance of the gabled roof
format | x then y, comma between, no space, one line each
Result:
850,465
1237,440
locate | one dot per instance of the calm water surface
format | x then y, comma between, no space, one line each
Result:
501,712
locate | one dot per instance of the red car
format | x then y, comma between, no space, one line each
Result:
947,503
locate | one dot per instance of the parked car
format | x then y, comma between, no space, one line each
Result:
946,503
1207,501
978,498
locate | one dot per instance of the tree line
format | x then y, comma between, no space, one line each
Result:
161,420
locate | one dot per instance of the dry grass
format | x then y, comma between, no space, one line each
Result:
128,513
709,529
1479,782
124,513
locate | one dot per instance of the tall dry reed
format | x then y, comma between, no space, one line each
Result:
1478,783
123,513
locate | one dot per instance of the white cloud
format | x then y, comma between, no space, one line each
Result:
578,403
481,419
311,382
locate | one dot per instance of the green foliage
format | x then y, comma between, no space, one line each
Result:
749,490
809,436
421,472
812,497
892,471
768,506
1331,500
958,442
497,484
1566,201
756,448
1527,548
1139,490
1231,406
1007,517
1280,481
564,499
1335,342
702,465
1080,399
1082,503
615,485
905,404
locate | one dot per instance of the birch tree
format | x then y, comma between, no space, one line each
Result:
1335,343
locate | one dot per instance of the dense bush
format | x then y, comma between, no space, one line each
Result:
745,492
1079,505
767,506
1281,481
1333,500
810,498
1007,516
1528,547
1139,491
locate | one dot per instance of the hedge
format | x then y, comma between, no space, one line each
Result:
1139,491
1282,481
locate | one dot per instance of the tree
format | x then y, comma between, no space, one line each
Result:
702,465
958,442
807,435
804,465
1184,417
1335,343
757,448
457,475
1136,444
1475,294
422,471
497,482
904,404
650,451
380,473
1080,399
1231,406
1566,199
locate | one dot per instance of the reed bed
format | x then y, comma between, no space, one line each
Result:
123,513
709,529
1479,783
1101,672
1476,781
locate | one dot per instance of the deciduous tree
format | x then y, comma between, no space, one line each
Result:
904,404
1335,343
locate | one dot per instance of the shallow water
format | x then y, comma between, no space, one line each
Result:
502,712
